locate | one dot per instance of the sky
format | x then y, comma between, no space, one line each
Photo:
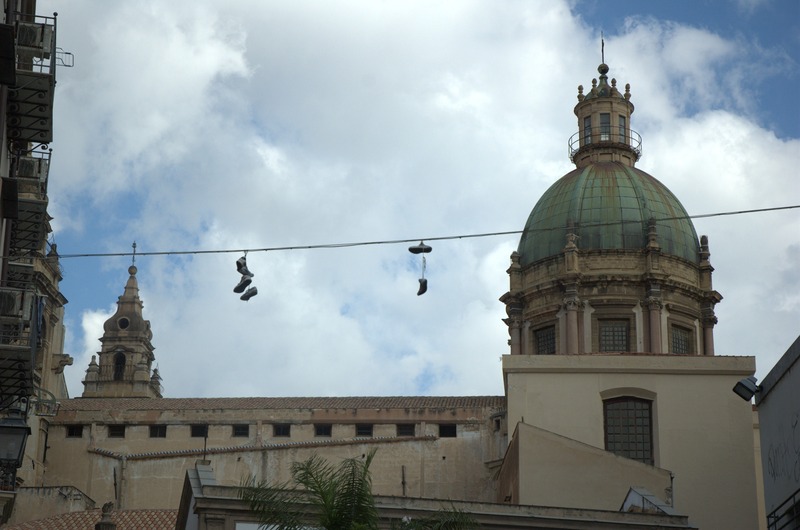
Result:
207,126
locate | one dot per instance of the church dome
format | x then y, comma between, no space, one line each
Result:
608,205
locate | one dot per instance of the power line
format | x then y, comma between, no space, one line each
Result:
411,240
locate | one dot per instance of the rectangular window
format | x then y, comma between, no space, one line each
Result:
116,431
628,428
587,130
681,341
544,340
158,431
605,127
323,429
241,430
406,429
364,429
623,130
281,430
447,430
199,431
74,431
613,335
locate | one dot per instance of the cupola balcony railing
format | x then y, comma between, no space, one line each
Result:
605,137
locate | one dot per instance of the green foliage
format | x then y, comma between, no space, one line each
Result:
444,519
333,498
320,494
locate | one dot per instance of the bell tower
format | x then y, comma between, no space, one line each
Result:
126,356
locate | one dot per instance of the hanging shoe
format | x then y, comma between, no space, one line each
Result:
250,293
423,286
243,283
241,266
422,248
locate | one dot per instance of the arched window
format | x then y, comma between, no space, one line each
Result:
628,426
119,366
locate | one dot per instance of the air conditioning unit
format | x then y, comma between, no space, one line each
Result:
39,36
28,167
10,303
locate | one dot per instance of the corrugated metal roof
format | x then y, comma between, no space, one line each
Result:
125,520
254,403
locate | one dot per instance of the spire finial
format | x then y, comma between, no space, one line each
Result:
602,49
132,268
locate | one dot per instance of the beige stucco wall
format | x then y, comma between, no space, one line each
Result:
556,471
149,472
703,432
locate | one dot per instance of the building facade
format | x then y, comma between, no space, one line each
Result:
615,401
31,306
778,401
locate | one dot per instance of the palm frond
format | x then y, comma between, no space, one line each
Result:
274,504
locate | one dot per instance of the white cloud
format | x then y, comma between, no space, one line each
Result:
270,124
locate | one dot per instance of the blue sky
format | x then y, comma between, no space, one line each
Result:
193,126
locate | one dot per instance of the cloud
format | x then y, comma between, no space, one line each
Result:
186,126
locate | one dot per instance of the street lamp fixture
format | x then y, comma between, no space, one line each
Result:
746,388
14,433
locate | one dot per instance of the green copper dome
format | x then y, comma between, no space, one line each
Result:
609,205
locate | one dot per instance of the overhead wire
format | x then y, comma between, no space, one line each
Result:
410,240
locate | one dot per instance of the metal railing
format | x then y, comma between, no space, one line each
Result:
36,43
605,136
787,515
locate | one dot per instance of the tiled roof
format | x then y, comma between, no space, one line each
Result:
125,520
255,403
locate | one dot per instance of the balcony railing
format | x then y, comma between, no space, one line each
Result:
30,101
605,137
787,515
32,171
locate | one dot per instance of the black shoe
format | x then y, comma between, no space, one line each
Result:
250,293
423,286
241,266
243,283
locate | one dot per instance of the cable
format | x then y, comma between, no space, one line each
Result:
409,240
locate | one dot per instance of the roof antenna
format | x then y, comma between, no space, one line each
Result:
602,49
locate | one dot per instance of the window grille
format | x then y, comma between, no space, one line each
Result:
628,428
241,430
199,431
613,336
323,429
681,341
74,431
545,340
405,429
281,430
158,431
447,430
116,431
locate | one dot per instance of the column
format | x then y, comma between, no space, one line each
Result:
654,312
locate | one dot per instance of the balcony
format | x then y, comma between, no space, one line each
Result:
30,101
18,331
29,227
605,138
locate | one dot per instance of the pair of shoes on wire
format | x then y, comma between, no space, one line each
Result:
247,279
423,249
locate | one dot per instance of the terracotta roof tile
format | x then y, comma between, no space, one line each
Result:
125,520
250,403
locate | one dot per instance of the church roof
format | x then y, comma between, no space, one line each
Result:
608,206
124,519
249,403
